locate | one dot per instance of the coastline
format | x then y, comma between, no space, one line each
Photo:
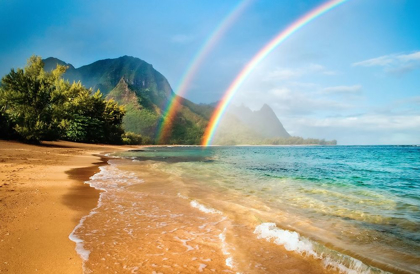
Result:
42,198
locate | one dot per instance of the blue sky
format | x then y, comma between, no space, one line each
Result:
352,74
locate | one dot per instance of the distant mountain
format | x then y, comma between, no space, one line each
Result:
263,121
241,125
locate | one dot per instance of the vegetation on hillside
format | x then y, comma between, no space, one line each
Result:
144,116
38,105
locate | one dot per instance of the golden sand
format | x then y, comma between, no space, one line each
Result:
42,198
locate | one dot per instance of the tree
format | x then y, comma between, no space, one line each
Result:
39,105
26,97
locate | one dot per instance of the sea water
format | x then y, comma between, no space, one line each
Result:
276,209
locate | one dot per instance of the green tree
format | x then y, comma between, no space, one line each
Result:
90,118
26,96
38,105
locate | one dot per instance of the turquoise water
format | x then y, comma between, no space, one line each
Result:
363,201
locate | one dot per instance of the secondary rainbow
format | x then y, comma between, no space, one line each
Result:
193,66
267,49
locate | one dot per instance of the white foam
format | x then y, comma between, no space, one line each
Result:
292,241
182,196
80,249
201,267
289,239
108,178
110,155
204,209
83,253
229,260
184,243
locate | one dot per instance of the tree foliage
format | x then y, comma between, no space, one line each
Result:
38,105
131,138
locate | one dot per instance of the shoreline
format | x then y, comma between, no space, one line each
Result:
43,196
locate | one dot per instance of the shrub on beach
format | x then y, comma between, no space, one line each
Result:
131,138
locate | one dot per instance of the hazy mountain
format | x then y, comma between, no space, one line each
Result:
263,121
241,125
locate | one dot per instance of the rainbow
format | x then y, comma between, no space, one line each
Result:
267,49
186,79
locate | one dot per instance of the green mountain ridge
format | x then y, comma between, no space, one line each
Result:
144,92
144,116
105,75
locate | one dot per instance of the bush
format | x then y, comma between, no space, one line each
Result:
131,138
38,105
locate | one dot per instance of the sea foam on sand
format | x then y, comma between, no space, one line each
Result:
108,178
204,209
292,241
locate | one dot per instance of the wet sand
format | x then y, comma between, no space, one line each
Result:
147,227
42,199
146,223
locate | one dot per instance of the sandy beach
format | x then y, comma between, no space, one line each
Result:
174,214
42,198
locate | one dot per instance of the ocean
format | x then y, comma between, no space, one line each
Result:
255,209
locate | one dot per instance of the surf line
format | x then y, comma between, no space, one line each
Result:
250,66
175,101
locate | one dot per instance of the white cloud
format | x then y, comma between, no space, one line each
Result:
284,74
367,128
345,90
292,102
281,74
181,39
410,57
304,85
367,122
393,63
379,61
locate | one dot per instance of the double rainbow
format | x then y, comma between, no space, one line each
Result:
174,102
267,49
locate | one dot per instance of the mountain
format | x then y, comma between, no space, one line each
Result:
105,75
241,125
144,92
263,121
51,63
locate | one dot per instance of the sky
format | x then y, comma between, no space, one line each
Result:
353,74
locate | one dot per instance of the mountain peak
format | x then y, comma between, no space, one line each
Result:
122,83
264,121
122,93
106,74
266,107
51,63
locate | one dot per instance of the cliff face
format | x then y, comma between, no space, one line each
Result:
144,92
105,75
